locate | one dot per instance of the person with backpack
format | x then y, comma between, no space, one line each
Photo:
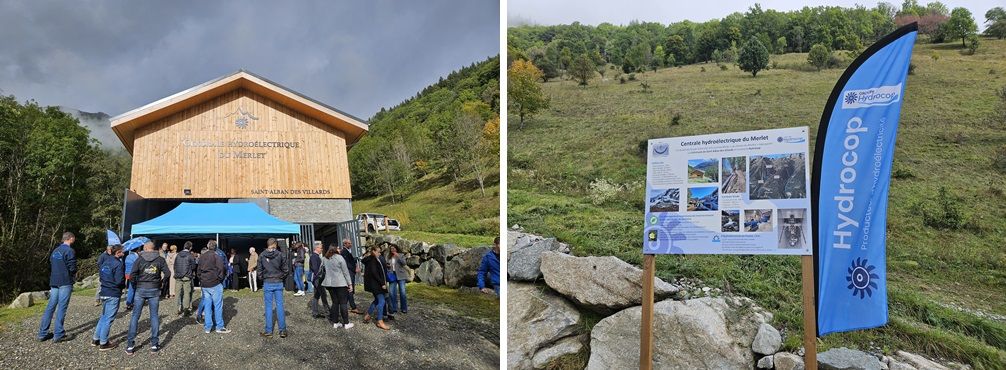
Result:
316,268
150,273
112,277
375,281
274,268
63,263
211,270
335,278
184,271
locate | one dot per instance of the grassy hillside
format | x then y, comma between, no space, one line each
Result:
577,172
442,213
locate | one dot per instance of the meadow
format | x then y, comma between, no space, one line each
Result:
577,171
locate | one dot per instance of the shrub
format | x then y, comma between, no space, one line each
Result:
601,190
645,86
819,56
973,42
945,211
902,173
936,57
632,76
911,68
723,67
702,69
676,120
621,79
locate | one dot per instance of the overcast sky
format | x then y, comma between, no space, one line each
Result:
358,56
622,12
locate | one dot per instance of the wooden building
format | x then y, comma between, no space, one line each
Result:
241,138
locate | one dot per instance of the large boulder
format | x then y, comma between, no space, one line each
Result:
444,252
701,333
22,301
39,296
524,254
919,362
413,261
847,359
787,361
541,325
431,273
767,341
602,284
421,248
463,268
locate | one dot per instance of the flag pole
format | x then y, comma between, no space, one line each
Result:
646,321
809,313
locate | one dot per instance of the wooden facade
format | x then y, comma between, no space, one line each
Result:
239,137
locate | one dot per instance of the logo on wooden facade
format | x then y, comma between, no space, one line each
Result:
243,117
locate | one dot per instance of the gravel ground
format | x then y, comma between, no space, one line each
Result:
428,337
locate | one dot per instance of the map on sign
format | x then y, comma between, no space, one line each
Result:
730,193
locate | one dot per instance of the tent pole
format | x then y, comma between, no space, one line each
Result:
218,240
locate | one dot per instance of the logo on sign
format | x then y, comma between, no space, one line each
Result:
877,96
660,150
861,278
243,118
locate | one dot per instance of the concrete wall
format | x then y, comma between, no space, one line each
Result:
312,210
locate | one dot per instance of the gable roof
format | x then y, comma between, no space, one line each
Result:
124,125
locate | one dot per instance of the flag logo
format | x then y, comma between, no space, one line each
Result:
861,278
873,97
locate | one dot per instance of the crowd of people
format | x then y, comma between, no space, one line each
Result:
154,274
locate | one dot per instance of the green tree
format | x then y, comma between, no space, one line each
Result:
780,45
819,56
973,42
524,93
960,25
658,57
582,69
676,47
565,59
995,20
753,57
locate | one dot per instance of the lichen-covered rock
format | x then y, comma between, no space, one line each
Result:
767,341
847,359
702,333
524,254
462,269
541,327
602,284
431,273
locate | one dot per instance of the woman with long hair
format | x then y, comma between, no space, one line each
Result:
339,286
398,276
375,281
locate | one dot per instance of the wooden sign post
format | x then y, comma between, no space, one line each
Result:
646,322
809,313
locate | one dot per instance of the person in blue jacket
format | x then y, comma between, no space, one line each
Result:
112,276
63,262
490,267
130,284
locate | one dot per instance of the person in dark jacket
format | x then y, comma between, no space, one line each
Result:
150,273
185,268
375,282
299,254
211,270
112,276
347,254
63,262
101,258
489,270
316,263
273,267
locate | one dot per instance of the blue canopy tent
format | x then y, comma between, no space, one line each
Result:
193,220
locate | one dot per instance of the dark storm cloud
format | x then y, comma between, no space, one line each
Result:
358,56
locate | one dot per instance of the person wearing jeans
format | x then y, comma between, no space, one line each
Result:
150,273
63,262
375,282
112,277
211,272
130,284
273,267
299,254
396,286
